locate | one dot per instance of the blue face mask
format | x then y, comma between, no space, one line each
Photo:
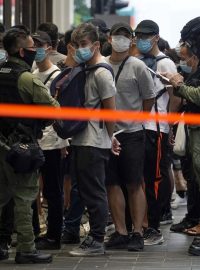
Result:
144,45
40,55
83,55
185,68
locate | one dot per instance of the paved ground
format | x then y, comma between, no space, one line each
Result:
171,255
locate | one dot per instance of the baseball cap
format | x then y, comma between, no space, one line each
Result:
42,37
119,26
147,27
99,23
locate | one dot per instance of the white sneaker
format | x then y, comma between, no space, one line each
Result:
178,202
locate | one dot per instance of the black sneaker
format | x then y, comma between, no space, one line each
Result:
166,218
136,242
153,237
4,251
194,248
117,241
44,243
32,257
182,225
89,247
70,238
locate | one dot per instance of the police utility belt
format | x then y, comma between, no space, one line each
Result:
23,151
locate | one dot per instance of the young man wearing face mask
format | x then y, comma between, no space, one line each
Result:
135,91
157,161
91,147
24,88
54,149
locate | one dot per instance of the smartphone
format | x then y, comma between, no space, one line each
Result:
118,132
165,79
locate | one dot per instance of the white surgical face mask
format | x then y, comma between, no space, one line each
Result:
120,43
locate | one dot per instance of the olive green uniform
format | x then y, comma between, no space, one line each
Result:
192,94
23,188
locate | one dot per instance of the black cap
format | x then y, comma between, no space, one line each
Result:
42,37
147,27
119,26
99,23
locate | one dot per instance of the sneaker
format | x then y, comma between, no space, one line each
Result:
178,202
4,251
153,237
32,257
136,242
166,218
194,248
44,243
182,225
117,241
89,247
70,238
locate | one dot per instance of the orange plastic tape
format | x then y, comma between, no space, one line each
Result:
47,112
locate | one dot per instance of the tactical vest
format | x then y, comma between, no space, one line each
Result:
194,81
9,93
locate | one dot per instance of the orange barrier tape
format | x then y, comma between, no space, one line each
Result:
47,112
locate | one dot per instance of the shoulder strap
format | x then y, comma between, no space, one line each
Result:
120,68
160,93
103,65
160,57
50,75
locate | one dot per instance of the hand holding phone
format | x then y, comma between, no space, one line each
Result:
158,75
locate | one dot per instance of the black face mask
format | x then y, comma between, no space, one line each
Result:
29,57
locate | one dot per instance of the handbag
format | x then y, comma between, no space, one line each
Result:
180,140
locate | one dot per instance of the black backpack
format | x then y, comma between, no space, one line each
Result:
69,89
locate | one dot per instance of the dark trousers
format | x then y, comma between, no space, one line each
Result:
74,214
7,222
53,192
193,193
156,175
89,165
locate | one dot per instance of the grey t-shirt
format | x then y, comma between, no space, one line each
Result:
99,86
134,85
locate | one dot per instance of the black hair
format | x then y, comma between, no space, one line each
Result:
22,27
173,56
52,30
163,45
2,28
14,39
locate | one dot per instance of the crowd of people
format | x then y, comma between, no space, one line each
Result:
123,172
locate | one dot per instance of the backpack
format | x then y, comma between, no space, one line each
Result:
151,61
69,90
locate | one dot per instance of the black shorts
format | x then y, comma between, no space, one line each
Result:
127,168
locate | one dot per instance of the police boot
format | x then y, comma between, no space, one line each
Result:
4,251
33,257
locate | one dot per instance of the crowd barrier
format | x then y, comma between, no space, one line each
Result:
47,112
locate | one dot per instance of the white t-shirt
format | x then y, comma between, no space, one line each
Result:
50,139
164,65
135,84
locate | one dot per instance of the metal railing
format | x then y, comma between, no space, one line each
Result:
28,12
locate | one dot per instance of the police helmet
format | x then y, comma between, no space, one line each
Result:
190,34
